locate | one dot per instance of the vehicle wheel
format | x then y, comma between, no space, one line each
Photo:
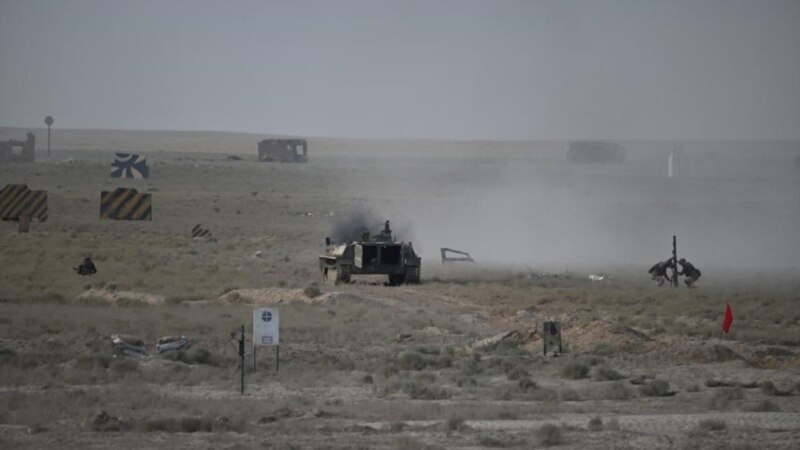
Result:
396,279
330,275
344,274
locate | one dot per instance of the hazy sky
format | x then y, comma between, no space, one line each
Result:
452,69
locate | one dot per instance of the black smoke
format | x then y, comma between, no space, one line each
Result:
352,226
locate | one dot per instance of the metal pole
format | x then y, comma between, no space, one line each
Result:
277,358
254,357
674,261
48,141
241,357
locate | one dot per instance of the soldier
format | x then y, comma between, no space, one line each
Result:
86,268
659,271
691,272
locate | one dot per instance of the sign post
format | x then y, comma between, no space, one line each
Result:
674,261
48,121
266,332
241,357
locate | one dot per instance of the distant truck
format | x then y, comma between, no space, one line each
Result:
595,152
372,255
283,150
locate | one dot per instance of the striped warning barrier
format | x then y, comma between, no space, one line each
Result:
125,204
17,201
199,232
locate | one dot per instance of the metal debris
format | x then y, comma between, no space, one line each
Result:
465,257
171,343
128,345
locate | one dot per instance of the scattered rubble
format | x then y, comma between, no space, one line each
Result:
513,338
115,296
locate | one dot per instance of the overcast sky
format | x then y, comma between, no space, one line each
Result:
447,69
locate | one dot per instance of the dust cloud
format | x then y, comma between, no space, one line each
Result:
732,205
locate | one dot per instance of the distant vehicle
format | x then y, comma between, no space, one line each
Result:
283,150
595,152
371,255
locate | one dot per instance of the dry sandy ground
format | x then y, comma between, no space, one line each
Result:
370,366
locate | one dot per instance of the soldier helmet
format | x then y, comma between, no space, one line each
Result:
682,261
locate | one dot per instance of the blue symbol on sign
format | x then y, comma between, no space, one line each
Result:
266,316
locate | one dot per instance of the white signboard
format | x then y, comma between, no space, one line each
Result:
266,326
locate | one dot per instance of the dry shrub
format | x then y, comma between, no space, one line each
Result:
90,362
192,356
179,425
605,373
419,390
454,424
418,361
549,435
569,395
764,406
497,442
595,424
312,290
722,398
6,356
124,365
656,388
544,395
525,384
769,388
516,373
575,371
711,425
617,391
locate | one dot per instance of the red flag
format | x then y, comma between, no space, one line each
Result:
726,324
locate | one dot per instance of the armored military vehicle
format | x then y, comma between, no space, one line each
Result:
371,255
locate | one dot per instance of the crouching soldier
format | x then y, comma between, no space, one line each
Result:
659,272
86,268
691,272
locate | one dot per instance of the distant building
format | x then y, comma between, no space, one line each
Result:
18,151
283,150
595,152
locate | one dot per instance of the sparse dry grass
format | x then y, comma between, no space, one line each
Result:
55,350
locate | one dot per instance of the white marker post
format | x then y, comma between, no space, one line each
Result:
266,331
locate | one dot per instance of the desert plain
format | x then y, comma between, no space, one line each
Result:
453,362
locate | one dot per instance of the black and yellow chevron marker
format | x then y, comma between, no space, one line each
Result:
16,201
125,204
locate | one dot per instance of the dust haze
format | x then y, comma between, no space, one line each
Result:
522,203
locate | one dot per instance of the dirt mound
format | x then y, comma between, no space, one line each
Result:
509,339
114,296
277,296
587,337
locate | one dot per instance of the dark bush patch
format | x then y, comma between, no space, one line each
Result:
196,355
605,373
723,397
549,435
656,388
525,384
764,406
575,371
711,425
